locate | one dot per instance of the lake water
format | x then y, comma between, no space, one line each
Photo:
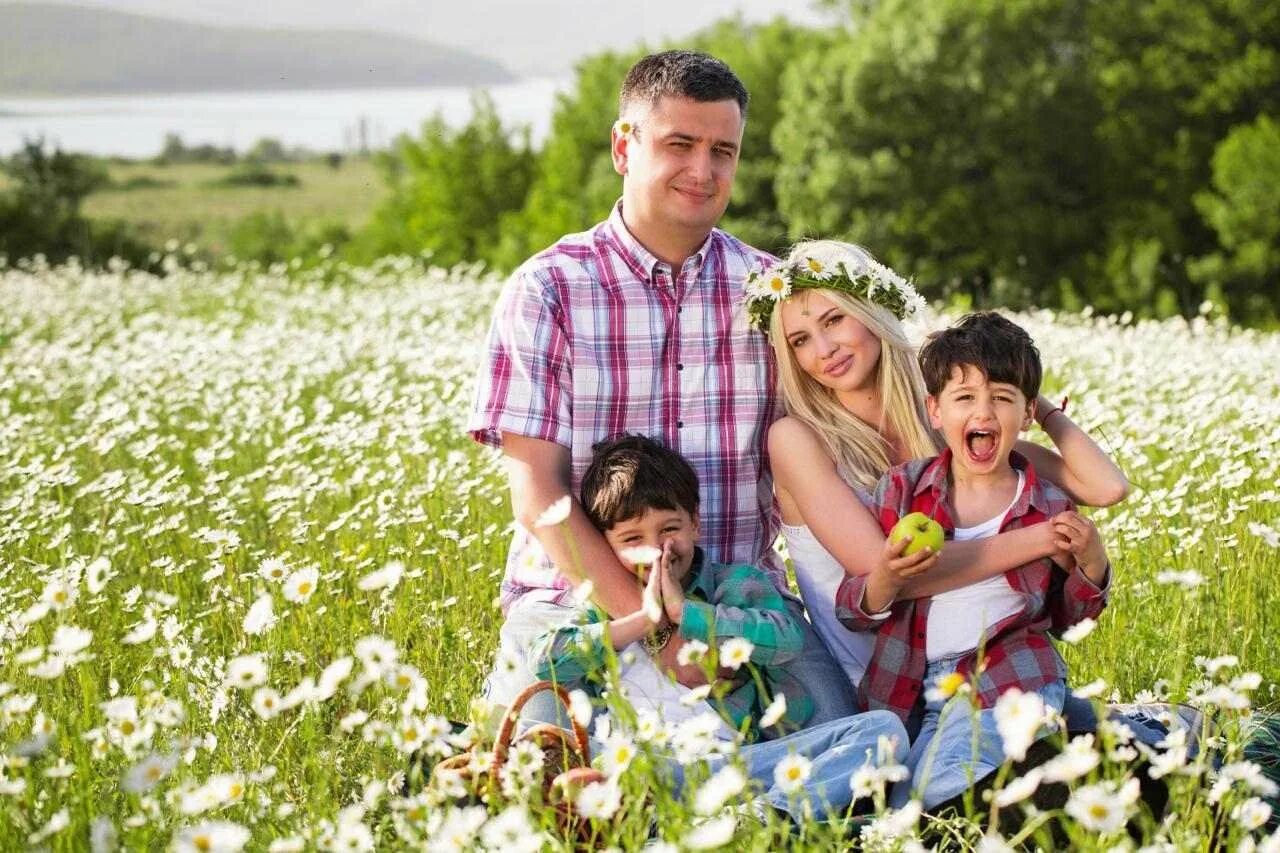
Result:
135,125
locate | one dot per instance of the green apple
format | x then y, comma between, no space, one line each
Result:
922,530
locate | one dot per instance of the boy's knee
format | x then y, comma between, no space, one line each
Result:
885,724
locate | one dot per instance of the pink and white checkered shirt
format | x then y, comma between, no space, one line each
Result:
594,337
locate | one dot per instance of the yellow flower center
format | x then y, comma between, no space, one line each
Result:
777,285
304,587
814,265
793,773
235,790
202,842
950,683
1098,810
60,596
127,727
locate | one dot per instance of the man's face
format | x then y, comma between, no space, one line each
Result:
678,165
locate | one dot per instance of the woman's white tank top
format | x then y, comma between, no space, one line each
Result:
818,575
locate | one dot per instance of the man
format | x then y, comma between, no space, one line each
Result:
638,326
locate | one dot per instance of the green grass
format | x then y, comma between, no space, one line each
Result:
194,208
188,429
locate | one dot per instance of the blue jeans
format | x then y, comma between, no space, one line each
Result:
815,669
819,674
955,750
836,748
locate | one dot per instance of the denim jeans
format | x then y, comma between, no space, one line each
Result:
836,749
814,668
956,749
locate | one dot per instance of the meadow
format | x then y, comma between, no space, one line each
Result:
249,565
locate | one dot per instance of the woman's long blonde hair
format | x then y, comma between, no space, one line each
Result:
858,449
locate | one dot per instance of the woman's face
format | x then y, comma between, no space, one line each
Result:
829,344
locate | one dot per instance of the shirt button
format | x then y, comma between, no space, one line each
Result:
680,310
679,367
920,636
679,424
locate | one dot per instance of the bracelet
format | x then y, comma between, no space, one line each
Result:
656,641
1045,418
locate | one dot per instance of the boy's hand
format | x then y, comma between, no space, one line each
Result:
672,592
651,603
1052,546
1079,536
891,573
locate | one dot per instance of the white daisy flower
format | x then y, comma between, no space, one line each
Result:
790,774
260,617
1104,807
556,513
385,578
1080,630
726,783
599,800
711,834
777,708
247,671
301,585
736,651
217,836
1018,718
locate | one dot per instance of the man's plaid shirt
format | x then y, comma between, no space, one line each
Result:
722,601
594,337
1018,651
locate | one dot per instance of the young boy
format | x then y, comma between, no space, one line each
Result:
643,496
982,378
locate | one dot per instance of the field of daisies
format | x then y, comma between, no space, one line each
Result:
249,566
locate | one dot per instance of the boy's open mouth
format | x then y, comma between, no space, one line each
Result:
981,444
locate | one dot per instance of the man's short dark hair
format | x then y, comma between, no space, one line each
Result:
681,74
994,344
631,474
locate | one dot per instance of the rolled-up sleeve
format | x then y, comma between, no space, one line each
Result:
524,382
849,612
1077,598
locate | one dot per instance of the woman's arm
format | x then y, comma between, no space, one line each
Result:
1083,471
843,525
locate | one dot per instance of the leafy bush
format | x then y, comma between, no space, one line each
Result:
255,174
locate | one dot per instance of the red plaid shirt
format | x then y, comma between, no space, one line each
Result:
1018,651
595,336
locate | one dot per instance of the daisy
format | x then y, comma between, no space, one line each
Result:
146,773
777,708
273,569
617,755
1080,630
711,834
599,800
1018,717
218,836
385,578
301,585
266,702
556,513
735,652
945,687
790,774
1104,807
728,782
260,617
247,671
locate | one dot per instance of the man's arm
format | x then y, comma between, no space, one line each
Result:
538,473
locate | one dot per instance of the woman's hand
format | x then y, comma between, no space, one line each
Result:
892,571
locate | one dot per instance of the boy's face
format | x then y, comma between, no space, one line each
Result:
979,419
653,529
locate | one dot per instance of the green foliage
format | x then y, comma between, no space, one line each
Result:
252,173
952,138
1244,211
174,150
40,213
1173,79
269,237
450,189
574,185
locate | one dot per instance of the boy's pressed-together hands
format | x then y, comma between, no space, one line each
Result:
1079,537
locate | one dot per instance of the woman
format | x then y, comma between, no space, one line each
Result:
855,407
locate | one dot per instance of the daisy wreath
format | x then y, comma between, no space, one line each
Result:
872,281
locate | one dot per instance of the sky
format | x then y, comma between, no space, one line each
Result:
531,37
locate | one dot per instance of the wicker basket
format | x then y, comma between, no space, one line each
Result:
566,763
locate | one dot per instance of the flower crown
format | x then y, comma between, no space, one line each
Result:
873,282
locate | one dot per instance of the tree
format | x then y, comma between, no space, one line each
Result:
953,138
451,188
1244,211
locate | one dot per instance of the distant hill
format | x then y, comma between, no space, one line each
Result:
57,49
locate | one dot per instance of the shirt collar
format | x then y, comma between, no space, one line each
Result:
695,580
644,264
935,479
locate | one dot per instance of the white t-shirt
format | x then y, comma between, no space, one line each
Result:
649,689
959,618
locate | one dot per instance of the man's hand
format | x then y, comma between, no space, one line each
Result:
891,573
1079,536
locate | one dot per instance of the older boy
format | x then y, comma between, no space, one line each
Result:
982,376
643,497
